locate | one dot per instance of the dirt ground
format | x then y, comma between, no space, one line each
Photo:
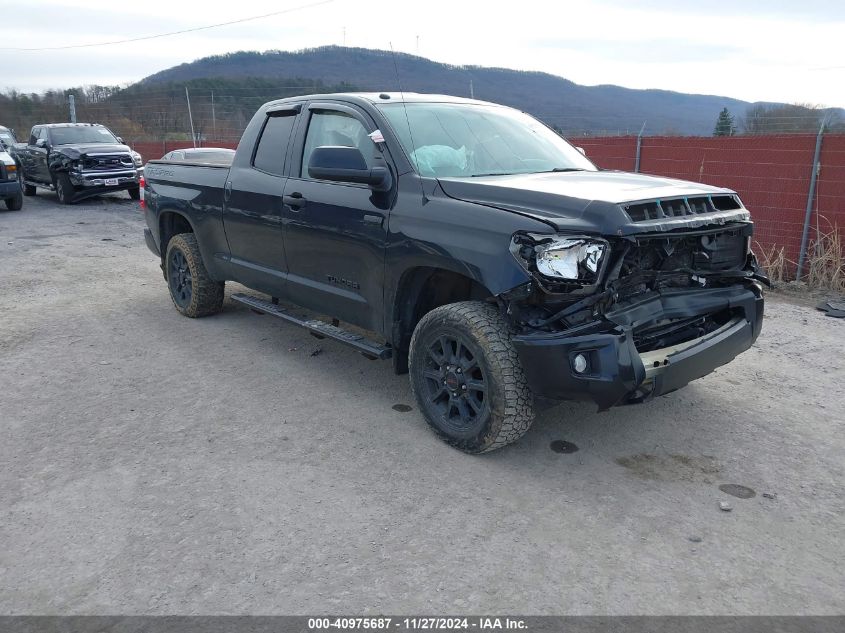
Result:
155,464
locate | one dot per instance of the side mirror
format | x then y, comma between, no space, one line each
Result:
347,164
42,142
581,149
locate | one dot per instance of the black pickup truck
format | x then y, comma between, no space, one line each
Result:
479,250
77,160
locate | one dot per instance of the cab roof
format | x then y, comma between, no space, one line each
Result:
69,125
379,98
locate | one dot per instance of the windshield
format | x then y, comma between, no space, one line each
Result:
6,139
456,140
86,134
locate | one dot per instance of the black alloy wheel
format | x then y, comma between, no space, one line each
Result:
456,385
179,278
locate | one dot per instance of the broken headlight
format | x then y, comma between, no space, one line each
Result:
575,259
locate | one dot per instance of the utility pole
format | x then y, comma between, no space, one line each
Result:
344,37
190,117
471,91
639,148
802,254
71,101
213,117
418,44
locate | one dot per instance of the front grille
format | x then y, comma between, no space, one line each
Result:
680,207
708,251
107,162
657,262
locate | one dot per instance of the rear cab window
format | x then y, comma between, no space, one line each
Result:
272,145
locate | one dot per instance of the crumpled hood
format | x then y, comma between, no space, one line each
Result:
584,201
75,151
5,158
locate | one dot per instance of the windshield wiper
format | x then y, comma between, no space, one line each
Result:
514,173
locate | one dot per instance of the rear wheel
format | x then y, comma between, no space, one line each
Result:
193,291
64,189
14,204
467,378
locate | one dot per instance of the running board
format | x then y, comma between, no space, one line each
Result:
368,348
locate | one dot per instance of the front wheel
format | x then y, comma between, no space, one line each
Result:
15,204
194,292
64,189
467,378
28,190
134,193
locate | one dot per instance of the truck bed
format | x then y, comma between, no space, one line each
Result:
203,176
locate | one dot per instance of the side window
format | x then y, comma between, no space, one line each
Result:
335,128
273,143
34,135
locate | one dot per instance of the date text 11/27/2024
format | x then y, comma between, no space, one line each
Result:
417,623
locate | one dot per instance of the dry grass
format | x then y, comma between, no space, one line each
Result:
824,267
774,262
826,261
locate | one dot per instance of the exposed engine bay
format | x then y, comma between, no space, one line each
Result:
580,284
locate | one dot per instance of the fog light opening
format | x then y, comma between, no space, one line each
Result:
579,363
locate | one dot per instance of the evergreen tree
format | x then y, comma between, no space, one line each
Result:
724,124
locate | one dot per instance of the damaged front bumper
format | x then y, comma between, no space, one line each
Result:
616,373
123,179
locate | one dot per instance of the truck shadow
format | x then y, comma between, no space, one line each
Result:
667,439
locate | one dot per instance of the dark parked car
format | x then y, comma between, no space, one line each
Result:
77,160
216,155
483,253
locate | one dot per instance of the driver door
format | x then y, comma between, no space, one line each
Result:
335,233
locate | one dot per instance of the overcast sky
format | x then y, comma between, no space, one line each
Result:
777,50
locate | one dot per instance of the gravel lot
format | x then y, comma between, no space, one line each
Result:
157,464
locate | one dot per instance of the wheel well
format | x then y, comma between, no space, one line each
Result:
171,224
420,291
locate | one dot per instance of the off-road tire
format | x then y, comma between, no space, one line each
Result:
64,188
206,295
486,334
134,193
15,203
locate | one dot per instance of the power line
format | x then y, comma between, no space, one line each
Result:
192,30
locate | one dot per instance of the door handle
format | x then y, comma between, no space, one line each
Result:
227,191
295,201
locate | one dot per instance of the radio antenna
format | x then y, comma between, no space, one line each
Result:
407,120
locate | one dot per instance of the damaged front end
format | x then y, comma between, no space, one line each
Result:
622,319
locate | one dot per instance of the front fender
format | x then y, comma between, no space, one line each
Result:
463,237
59,161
